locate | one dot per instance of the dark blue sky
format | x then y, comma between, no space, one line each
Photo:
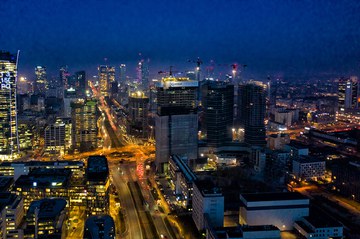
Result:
286,38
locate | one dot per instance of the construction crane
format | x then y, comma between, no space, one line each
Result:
234,68
170,72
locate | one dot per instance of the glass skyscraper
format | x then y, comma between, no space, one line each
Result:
8,116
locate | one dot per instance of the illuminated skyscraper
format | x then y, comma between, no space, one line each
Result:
64,77
138,114
41,83
84,125
143,74
251,112
9,143
348,94
106,76
176,120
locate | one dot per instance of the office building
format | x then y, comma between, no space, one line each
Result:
348,94
84,125
45,219
101,226
251,112
11,216
9,143
176,120
319,226
97,185
278,141
106,75
207,202
218,107
41,82
43,183
55,139
278,209
18,168
138,115
70,95
305,167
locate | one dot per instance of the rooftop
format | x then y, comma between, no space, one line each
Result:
97,168
44,178
48,208
100,226
280,196
208,188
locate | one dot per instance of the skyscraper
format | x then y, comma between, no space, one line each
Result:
122,77
80,83
143,74
9,143
84,125
348,94
251,112
138,114
106,76
41,83
64,77
176,120
218,108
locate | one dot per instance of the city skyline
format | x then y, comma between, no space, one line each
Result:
277,38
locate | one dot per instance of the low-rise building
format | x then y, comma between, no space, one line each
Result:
244,232
308,168
16,169
183,178
319,227
278,141
207,201
278,209
45,218
11,216
43,183
297,149
346,179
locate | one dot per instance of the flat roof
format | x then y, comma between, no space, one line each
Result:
321,220
97,168
308,159
44,178
49,208
208,188
280,196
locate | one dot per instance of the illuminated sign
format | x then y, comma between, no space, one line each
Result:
5,80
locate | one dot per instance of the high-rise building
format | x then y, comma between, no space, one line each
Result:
11,215
84,125
41,83
122,77
64,77
138,114
58,137
106,76
251,112
80,83
176,120
218,108
348,94
9,143
143,74
97,185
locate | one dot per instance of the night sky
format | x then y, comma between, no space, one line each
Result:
305,38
